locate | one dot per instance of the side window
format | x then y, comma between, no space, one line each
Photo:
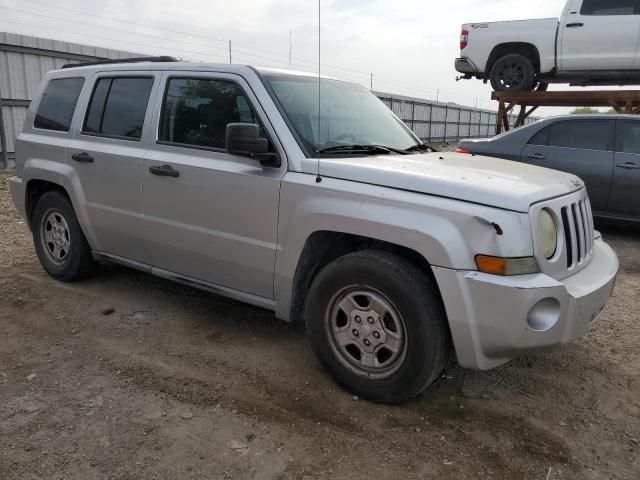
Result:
118,107
540,138
585,135
629,137
197,111
608,7
58,103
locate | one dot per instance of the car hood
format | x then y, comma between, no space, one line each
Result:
473,178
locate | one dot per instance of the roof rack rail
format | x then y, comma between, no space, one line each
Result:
162,58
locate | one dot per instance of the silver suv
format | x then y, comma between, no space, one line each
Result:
310,198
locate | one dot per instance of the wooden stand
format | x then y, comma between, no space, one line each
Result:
622,101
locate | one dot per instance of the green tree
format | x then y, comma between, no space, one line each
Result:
584,111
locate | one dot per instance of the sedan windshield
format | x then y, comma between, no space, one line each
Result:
352,119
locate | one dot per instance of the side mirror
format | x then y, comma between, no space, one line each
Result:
244,139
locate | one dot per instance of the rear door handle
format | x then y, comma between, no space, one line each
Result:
164,171
537,156
575,25
628,166
82,157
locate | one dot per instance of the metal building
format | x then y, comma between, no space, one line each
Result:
24,60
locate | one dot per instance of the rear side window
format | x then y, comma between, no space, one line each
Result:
584,135
196,111
118,107
629,135
58,103
609,7
540,138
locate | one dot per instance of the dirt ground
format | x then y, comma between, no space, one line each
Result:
126,376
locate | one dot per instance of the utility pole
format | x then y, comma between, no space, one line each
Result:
229,51
372,82
289,48
438,95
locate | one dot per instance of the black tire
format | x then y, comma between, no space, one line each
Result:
403,287
73,259
513,72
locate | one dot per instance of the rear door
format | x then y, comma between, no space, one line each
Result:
599,35
581,147
624,200
212,216
106,155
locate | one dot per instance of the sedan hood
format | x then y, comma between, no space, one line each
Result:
484,180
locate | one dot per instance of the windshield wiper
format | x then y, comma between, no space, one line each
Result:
421,147
363,149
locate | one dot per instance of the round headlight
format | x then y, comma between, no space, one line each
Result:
547,233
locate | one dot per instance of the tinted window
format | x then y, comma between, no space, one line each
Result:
585,135
540,138
58,104
630,136
118,107
608,7
196,112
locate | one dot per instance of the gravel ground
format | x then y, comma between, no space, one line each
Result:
126,376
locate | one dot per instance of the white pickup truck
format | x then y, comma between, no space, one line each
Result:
595,42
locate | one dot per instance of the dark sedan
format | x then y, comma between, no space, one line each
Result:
603,150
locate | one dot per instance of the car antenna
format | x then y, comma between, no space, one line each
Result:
318,177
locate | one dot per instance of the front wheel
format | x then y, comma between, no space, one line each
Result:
513,72
377,324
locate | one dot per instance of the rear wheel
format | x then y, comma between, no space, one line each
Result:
60,244
377,324
512,72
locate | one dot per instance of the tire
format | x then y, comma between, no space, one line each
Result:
412,342
513,72
60,244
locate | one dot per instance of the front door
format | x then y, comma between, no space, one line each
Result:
624,200
581,147
599,35
106,155
212,216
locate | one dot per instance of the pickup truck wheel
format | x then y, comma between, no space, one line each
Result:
377,324
60,244
512,72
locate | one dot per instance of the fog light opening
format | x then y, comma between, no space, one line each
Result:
544,314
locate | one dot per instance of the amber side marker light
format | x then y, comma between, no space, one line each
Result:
506,266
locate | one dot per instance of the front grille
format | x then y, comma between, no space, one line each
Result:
577,222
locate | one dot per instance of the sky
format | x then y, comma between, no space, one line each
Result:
408,45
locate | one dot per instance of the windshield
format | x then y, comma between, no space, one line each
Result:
349,115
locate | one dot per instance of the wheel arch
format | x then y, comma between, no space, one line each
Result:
523,48
37,187
323,246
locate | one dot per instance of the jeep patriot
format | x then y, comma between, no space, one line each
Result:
309,197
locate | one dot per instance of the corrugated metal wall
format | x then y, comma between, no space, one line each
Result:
438,122
24,60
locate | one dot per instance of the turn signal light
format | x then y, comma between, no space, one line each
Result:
506,266
462,150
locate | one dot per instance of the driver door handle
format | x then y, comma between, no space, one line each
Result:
537,156
82,157
628,166
575,25
164,171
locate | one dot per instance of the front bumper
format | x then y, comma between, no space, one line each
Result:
494,319
17,188
464,65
